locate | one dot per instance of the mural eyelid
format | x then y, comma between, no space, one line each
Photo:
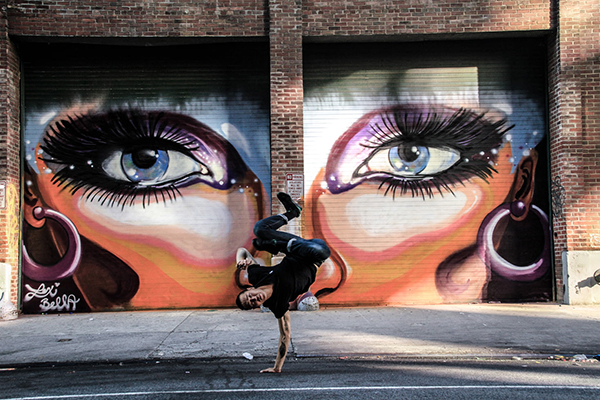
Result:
413,150
109,156
459,129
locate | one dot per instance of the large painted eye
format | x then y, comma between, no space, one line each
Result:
415,150
150,166
410,160
119,156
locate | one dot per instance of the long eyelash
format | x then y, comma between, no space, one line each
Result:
461,130
421,188
75,142
465,131
80,133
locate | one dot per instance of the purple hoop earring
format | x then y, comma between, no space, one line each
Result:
70,261
487,252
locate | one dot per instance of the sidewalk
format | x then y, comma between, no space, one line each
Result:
466,330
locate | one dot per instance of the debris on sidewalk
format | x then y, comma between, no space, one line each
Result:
558,358
248,356
575,358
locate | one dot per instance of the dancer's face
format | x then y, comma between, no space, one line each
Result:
253,298
161,191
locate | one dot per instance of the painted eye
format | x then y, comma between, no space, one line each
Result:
150,166
415,150
410,160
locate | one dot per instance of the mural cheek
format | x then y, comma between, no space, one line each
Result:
191,227
366,224
185,247
389,250
197,231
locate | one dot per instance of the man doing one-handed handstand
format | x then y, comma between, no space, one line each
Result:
274,287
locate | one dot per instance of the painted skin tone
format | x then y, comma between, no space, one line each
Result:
172,219
391,225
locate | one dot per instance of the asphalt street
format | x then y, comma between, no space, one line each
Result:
332,378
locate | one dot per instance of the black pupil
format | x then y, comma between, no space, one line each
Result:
408,152
144,158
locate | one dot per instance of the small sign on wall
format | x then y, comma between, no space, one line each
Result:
2,195
294,185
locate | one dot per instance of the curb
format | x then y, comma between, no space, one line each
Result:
299,357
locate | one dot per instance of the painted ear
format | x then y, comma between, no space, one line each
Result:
31,198
521,192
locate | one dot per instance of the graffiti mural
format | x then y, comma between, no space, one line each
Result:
426,170
144,174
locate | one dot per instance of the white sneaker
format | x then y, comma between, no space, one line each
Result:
309,303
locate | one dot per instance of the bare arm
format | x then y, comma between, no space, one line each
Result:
285,334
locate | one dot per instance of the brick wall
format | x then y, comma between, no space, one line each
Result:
574,83
558,217
149,18
390,17
10,158
285,37
187,18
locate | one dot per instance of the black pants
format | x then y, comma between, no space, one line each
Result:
309,250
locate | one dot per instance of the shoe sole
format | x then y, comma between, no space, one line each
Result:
285,199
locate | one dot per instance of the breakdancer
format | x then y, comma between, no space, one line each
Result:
274,287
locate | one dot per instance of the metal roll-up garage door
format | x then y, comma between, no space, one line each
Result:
145,169
426,171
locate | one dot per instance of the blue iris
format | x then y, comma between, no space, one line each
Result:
145,164
408,158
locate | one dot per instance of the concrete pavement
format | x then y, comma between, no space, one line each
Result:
457,330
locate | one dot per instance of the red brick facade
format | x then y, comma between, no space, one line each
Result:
285,38
10,157
137,19
574,111
363,18
574,77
